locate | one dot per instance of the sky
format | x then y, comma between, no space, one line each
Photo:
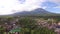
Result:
13,6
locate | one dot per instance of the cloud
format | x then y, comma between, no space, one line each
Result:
52,4
57,7
7,6
12,6
55,1
44,7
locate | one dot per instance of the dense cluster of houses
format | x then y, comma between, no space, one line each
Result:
10,25
52,25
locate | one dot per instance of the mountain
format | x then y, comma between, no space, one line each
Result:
36,12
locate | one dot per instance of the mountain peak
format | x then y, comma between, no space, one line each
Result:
38,11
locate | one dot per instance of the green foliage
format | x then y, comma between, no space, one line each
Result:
38,31
31,28
1,30
28,26
27,22
44,31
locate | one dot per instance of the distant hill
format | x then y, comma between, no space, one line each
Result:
36,12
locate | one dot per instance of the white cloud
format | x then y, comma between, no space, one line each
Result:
57,7
55,1
44,7
6,6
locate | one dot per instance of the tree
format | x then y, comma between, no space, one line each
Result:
44,30
27,23
1,30
29,27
